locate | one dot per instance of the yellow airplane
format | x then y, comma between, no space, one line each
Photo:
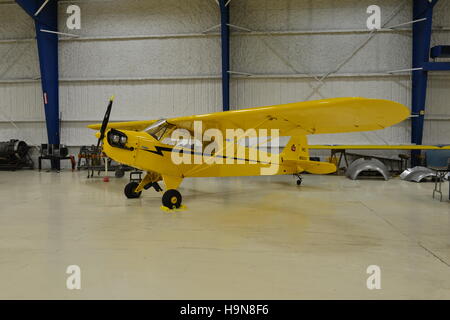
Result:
149,145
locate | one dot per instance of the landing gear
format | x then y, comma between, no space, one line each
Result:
155,185
172,199
130,190
299,179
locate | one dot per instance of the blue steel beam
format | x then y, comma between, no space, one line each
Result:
436,66
421,51
47,44
225,43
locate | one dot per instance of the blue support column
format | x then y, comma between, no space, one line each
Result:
47,44
225,42
421,53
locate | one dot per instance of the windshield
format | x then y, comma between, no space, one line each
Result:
159,129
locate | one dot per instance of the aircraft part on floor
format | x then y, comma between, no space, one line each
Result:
417,174
13,149
14,155
363,165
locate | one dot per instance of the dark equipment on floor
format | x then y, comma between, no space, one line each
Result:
14,154
55,153
91,158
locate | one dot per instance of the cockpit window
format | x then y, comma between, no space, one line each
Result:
160,129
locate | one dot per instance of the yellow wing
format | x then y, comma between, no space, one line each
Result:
311,117
130,125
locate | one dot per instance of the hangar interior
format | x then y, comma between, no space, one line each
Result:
258,237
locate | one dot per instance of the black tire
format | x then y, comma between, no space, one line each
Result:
119,173
129,190
172,199
299,182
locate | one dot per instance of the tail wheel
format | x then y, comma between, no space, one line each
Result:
129,190
171,199
299,178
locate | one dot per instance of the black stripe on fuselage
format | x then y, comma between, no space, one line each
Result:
159,151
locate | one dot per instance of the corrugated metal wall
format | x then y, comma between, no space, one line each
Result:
153,56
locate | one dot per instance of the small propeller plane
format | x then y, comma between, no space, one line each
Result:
147,145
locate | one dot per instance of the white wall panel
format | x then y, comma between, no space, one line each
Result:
17,59
436,132
139,100
247,92
140,58
441,19
440,14
142,17
33,133
312,14
21,102
321,53
14,22
438,103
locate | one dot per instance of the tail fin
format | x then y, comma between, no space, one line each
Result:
296,154
296,149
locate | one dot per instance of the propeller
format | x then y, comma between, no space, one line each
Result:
105,121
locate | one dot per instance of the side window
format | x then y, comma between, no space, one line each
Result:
159,134
166,136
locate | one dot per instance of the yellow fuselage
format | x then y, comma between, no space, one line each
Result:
146,153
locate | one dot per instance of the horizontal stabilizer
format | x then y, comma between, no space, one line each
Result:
315,167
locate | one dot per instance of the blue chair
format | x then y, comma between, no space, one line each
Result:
437,158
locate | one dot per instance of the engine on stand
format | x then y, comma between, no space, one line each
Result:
14,154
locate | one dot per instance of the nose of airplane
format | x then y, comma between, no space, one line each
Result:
98,134
119,145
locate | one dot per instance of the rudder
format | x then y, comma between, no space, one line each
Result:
296,153
296,149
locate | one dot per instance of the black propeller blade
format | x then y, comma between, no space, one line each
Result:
105,121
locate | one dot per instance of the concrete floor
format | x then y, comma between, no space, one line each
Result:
240,238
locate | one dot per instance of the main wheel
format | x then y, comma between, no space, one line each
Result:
299,182
129,190
171,198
